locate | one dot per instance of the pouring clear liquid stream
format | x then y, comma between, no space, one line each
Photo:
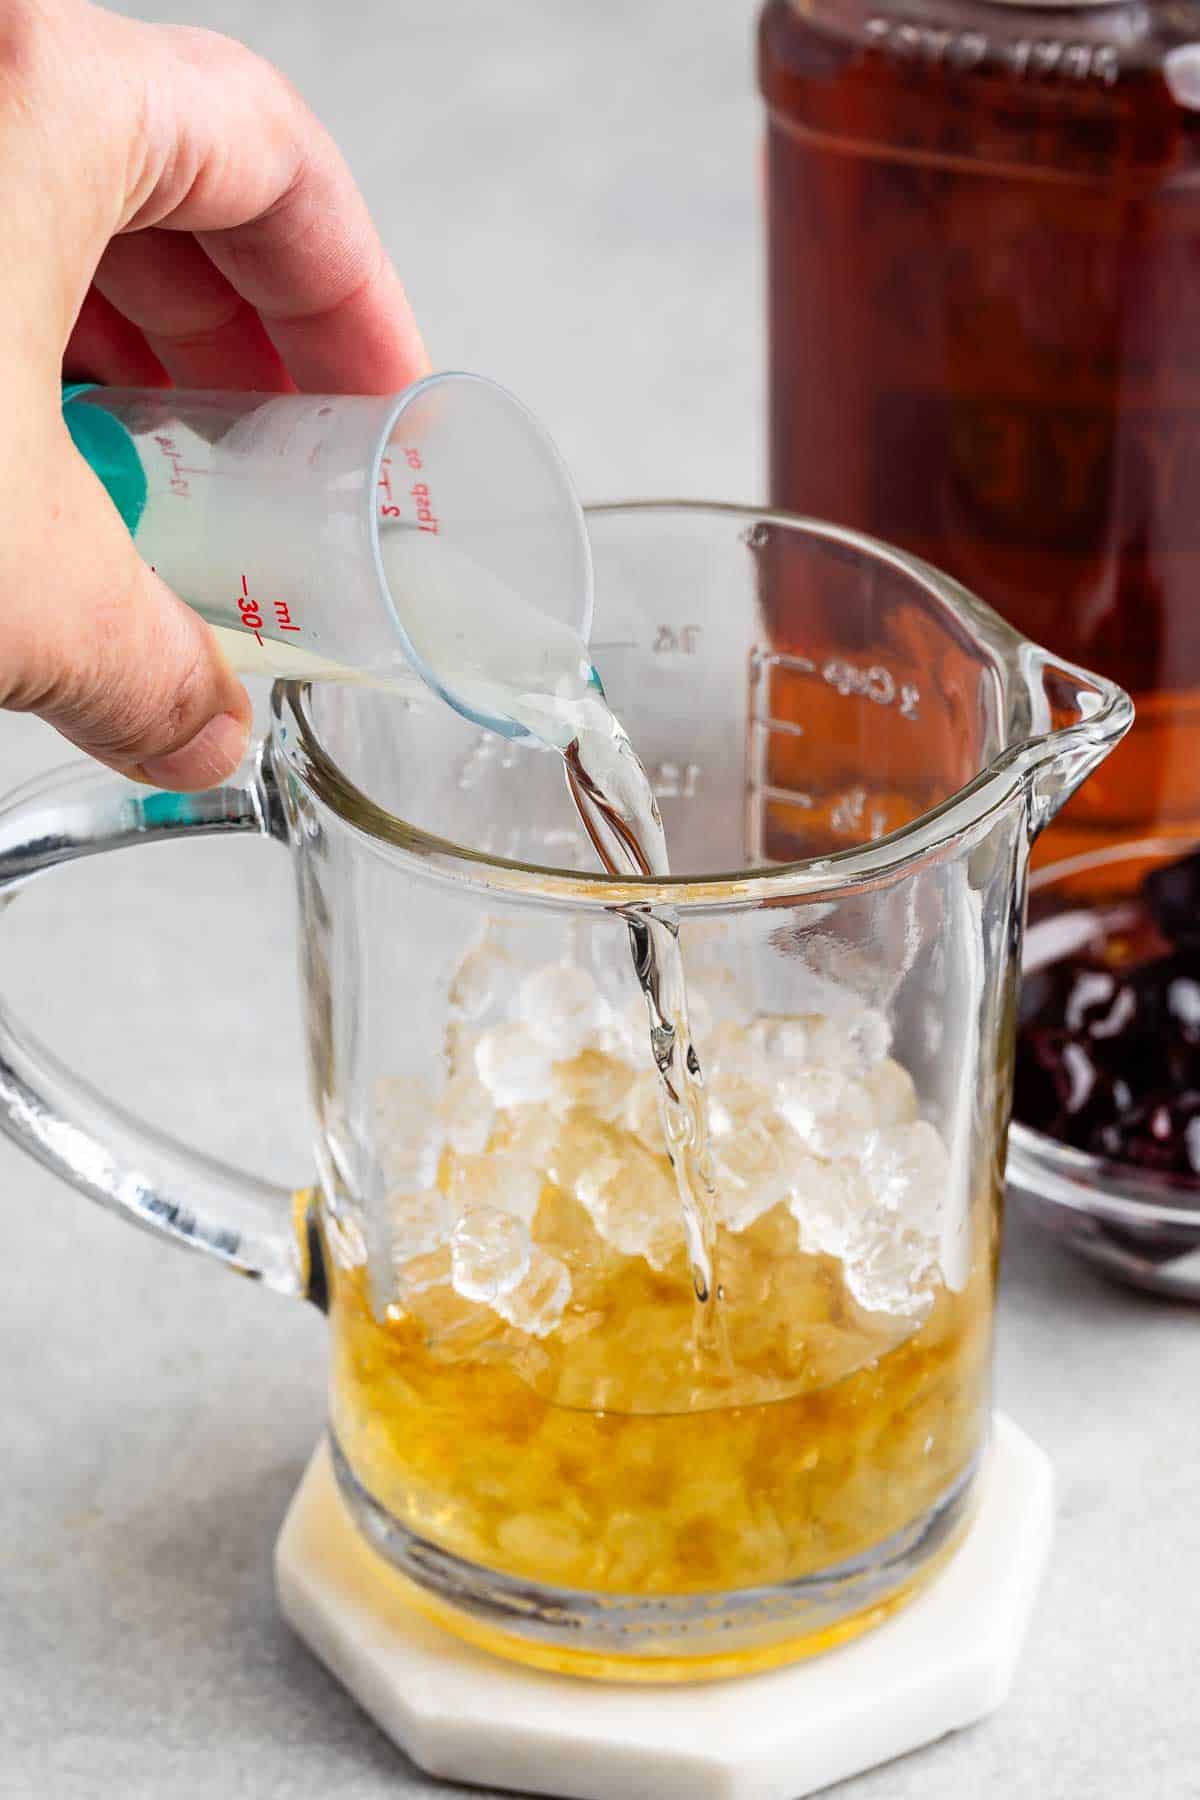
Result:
524,667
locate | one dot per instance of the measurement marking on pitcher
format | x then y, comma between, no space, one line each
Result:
675,781
681,640
786,796
874,682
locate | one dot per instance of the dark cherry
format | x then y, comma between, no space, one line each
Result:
1108,1045
1180,979
1160,1045
1173,895
1103,1006
1161,1134
1102,1102
1060,1088
1085,998
1044,993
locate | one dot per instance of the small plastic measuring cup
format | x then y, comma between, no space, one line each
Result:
434,531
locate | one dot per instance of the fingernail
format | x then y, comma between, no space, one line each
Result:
211,755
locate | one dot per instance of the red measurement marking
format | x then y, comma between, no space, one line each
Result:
283,616
427,519
177,481
251,616
387,506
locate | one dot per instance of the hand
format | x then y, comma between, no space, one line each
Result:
174,213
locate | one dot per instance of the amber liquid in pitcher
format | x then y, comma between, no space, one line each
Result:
593,1445
984,272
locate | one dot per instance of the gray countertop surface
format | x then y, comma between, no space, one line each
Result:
571,191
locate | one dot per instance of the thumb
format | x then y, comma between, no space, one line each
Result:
95,643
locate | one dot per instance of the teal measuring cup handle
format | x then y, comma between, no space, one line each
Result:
109,452
257,1227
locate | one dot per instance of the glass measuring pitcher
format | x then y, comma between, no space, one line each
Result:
562,1453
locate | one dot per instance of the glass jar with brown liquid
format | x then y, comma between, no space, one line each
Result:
984,265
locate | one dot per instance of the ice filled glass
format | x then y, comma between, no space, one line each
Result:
572,1448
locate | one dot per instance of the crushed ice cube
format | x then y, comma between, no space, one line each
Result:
594,1177
504,1181
893,1095
600,1084
890,1264
408,1131
731,1098
634,1206
563,1008
785,1043
894,1273
809,1096
626,1033
842,1130
830,1046
830,1203
417,1223
422,1273
871,1032
480,980
468,1114
887,1267
537,1302
642,1116
514,1066
490,1253
734,1053
628,1193
752,1170
529,1136
852,1042
455,1329
907,1169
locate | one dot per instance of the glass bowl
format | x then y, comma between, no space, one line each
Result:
1139,1226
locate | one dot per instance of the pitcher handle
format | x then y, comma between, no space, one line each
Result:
258,1227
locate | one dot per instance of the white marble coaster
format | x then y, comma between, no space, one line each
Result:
943,1661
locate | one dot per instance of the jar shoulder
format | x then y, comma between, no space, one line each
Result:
1077,88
